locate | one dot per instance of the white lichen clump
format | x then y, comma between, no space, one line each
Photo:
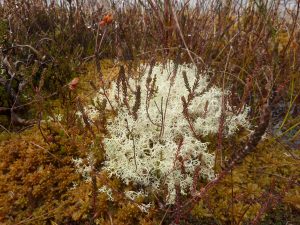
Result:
107,191
156,147
83,169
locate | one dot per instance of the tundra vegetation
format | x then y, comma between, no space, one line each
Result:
149,112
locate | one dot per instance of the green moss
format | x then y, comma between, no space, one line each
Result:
3,30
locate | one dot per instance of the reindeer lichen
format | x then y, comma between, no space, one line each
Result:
150,141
